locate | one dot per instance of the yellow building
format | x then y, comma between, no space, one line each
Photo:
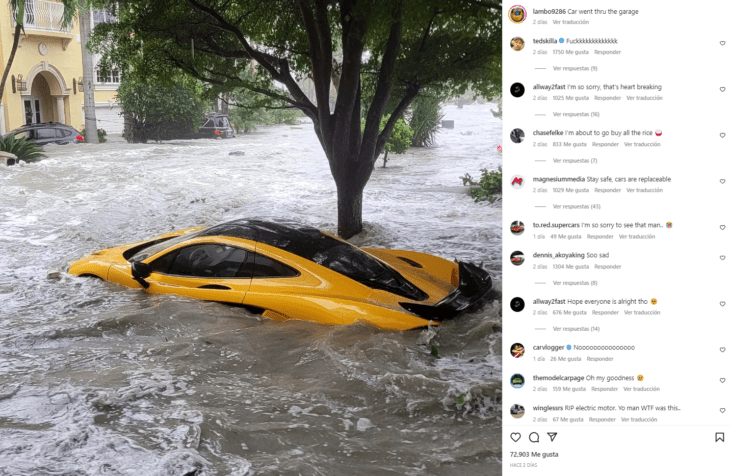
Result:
43,85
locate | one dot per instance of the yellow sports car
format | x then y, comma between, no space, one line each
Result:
285,270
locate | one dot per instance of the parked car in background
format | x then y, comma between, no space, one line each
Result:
215,126
48,133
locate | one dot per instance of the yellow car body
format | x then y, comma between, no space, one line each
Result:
271,268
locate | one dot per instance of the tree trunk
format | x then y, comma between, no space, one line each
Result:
225,99
385,158
349,207
18,27
88,65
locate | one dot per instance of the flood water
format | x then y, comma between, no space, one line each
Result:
98,379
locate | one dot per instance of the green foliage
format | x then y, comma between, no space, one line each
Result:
247,118
460,401
23,148
157,112
100,133
461,52
434,351
400,139
488,186
425,120
253,108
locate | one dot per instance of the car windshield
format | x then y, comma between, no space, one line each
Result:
151,248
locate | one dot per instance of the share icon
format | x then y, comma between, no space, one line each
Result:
552,435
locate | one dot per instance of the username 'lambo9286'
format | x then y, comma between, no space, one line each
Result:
285,270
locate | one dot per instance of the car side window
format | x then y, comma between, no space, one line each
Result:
163,263
46,133
266,267
204,261
65,132
26,134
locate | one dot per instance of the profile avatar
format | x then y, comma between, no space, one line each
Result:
517,411
517,381
517,304
517,43
517,14
517,350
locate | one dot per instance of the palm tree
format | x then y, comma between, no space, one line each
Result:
18,8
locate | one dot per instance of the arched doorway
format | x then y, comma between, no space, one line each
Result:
44,98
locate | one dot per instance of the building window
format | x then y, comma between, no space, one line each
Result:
102,16
98,17
111,78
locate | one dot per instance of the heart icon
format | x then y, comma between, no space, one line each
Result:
722,43
722,257
722,89
722,380
722,134
722,410
722,303
722,349
722,227
722,180
515,437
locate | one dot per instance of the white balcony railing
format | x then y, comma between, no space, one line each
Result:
42,15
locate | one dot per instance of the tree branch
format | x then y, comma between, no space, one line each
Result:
317,53
382,93
411,93
492,5
268,62
427,31
225,25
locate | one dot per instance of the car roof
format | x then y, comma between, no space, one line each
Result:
41,125
290,236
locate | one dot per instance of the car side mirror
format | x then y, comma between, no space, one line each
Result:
140,271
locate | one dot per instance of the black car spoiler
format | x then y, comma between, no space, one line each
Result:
474,289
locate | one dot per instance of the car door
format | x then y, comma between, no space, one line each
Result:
65,136
46,135
284,292
209,271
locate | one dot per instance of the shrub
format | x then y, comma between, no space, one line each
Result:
399,140
487,187
153,111
100,133
425,120
21,147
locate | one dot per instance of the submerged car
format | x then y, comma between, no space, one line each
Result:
48,133
215,126
286,270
